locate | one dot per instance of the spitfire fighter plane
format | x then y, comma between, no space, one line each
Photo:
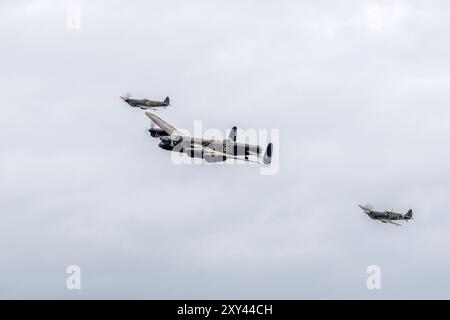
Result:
386,216
211,150
145,103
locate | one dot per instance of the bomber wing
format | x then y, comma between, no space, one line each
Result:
169,129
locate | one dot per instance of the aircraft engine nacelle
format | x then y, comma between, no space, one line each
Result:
157,132
171,143
194,153
165,146
171,139
212,157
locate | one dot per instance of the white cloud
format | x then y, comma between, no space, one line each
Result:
378,17
363,117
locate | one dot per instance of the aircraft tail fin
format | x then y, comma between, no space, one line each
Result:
268,154
167,101
233,134
409,214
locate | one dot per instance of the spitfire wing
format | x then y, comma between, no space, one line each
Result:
389,221
162,124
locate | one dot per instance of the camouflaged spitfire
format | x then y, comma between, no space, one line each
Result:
386,216
146,103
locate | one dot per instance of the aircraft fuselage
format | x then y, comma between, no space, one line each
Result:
385,215
145,103
187,144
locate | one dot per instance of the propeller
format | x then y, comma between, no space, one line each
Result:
126,96
366,208
152,126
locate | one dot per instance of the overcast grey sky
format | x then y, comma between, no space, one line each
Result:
358,89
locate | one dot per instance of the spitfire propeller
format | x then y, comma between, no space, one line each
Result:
152,127
126,96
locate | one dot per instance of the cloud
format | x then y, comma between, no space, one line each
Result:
359,96
378,16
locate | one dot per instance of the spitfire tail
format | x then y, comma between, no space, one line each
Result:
167,101
268,155
409,215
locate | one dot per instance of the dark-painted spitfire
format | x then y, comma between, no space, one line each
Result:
208,149
145,103
386,216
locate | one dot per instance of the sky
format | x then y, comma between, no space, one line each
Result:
358,91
